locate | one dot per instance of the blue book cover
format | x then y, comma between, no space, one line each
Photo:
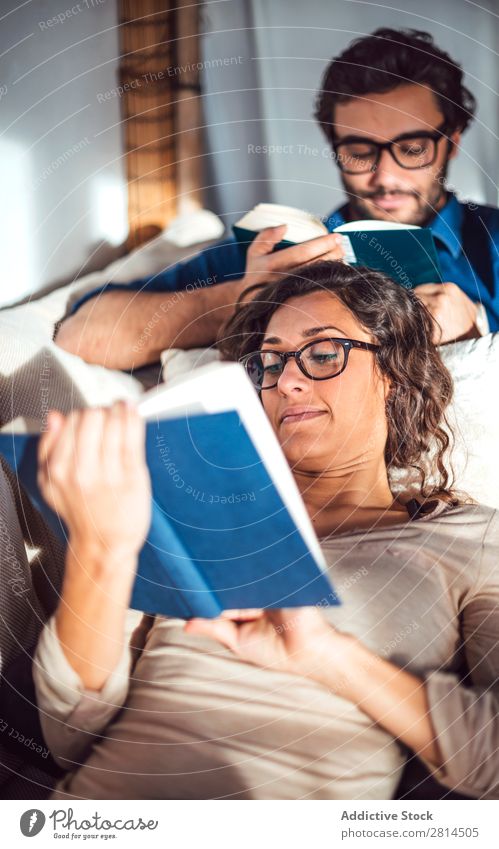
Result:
221,536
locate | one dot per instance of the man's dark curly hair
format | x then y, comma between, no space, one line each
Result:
420,385
386,59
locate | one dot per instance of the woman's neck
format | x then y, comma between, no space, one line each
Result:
344,499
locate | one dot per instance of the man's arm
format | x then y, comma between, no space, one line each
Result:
125,330
128,329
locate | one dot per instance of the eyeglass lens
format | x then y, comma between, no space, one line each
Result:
361,157
323,359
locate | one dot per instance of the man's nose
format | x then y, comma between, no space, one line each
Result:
387,172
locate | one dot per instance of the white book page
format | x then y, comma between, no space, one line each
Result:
221,387
373,224
301,226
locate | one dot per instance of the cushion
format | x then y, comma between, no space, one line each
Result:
473,418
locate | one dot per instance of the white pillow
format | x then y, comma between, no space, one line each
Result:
473,418
473,414
176,361
36,375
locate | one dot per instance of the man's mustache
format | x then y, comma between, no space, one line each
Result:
379,193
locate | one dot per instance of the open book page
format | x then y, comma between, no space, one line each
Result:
301,225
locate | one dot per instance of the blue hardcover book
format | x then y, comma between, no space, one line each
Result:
229,528
404,252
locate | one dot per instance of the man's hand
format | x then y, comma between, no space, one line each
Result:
454,313
265,266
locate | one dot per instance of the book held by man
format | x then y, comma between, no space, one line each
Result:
229,528
404,252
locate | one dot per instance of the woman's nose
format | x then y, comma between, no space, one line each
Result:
292,378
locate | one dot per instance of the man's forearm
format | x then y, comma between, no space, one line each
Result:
127,330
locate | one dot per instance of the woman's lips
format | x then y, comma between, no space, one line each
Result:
293,418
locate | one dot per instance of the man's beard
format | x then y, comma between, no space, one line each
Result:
421,211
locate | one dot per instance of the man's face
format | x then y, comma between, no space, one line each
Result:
391,192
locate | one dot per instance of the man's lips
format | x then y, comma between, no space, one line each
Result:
390,201
299,414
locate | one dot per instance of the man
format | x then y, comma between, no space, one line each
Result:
393,107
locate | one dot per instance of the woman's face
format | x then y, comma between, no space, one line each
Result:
325,424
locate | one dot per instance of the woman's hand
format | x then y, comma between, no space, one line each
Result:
301,642
296,640
92,472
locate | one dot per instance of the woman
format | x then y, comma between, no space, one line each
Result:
295,704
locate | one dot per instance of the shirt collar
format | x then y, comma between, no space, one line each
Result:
337,217
445,226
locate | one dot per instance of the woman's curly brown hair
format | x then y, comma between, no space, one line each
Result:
420,385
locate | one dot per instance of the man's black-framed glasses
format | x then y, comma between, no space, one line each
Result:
358,155
321,359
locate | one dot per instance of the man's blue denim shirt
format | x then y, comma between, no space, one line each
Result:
466,237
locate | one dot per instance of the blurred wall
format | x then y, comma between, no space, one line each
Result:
64,205
63,199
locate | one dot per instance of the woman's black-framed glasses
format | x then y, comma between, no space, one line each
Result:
321,359
358,155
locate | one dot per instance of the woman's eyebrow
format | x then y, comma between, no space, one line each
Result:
314,331
311,331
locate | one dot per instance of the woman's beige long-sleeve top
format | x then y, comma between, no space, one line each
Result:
200,723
